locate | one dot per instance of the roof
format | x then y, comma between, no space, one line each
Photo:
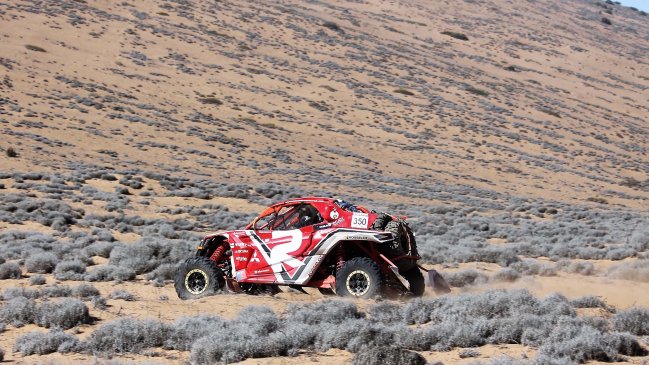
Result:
311,199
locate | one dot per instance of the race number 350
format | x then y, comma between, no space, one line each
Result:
359,220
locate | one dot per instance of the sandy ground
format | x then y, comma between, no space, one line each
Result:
568,124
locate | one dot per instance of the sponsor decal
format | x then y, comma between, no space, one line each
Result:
254,258
363,238
334,214
322,226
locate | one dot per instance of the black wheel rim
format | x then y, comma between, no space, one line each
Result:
358,283
196,281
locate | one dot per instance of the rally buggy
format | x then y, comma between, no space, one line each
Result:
323,243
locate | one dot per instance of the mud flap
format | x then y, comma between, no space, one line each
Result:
395,270
232,285
437,281
403,280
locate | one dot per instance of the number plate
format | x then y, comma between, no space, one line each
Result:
359,220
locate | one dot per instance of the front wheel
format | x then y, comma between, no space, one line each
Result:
198,277
360,277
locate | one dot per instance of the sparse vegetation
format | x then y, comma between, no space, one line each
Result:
550,112
476,91
633,320
31,47
122,295
40,343
11,152
211,101
456,35
466,321
597,199
333,26
404,92
10,270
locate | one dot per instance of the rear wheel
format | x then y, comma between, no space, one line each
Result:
198,277
403,244
360,277
416,280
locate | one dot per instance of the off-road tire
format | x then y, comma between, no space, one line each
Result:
416,280
198,277
403,242
381,221
359,277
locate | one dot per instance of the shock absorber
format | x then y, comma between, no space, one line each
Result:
340,257
216,255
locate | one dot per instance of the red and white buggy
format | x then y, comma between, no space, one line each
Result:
314,242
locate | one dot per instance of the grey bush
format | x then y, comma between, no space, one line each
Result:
533,267
110,272
99,302
42,263
469,353
163,272
18,311
70,270
464,321
102,249
387,355
640,240
128,335
64,314
465,277
576,267
386,312
589,301
37,280
634,320
85,291
11,293
146,255
258,335
10,270
580,343
506,274
123,295
55,291
186,330
328,311
45,343
634,270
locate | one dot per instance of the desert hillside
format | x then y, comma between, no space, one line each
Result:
514,135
